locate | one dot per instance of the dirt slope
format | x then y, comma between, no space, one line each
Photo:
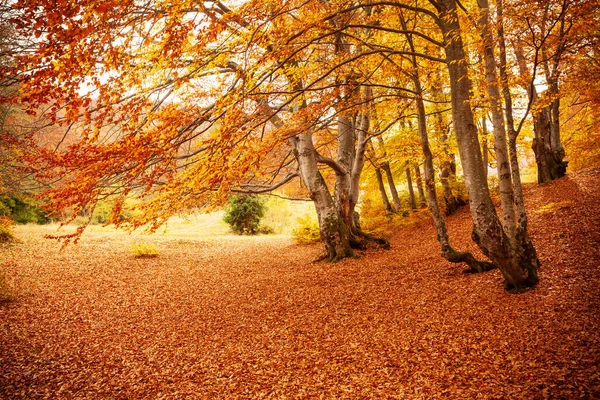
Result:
255,317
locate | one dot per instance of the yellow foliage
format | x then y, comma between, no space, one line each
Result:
6,229
552,207
375,220
144,250
307,231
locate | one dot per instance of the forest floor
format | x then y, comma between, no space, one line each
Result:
258,318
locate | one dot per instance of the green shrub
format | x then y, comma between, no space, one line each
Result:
243,214
23,210
5,210
307,231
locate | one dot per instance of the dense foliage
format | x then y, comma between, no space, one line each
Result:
23,210
179,104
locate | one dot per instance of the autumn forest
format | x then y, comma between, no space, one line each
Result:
299,199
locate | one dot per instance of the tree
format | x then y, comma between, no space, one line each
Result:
448,252
15,132
546,38
411,192
184,104
381,186
420,186
518,267
192,103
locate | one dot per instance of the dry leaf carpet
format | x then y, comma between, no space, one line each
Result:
245,318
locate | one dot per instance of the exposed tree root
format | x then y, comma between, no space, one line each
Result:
475,266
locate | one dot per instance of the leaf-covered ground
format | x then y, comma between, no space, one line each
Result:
256,317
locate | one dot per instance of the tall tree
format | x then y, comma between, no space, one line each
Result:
505,183
517,268
448,252
390,179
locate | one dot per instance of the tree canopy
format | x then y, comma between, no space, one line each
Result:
181,103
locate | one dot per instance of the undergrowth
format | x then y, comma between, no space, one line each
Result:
144,250
6,230
306,231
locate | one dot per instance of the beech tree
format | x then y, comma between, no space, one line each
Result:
181,104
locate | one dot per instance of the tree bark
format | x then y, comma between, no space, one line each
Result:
522,234
449,198
390,179
411,192
447,171
548,155
502,161
333,229
384,197
488,233
484,147
440,223
420,187
553,146
546,146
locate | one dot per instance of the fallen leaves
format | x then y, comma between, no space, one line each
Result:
255,318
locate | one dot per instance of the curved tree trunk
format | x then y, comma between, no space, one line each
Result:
333,229
518,271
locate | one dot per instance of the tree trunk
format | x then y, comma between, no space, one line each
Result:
411,192
384,197
518,272
502,161
440,223
522,235
449,198
344,198
546,146
548,155
447,171
420,187
555,152
486,161
388,172
333,229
